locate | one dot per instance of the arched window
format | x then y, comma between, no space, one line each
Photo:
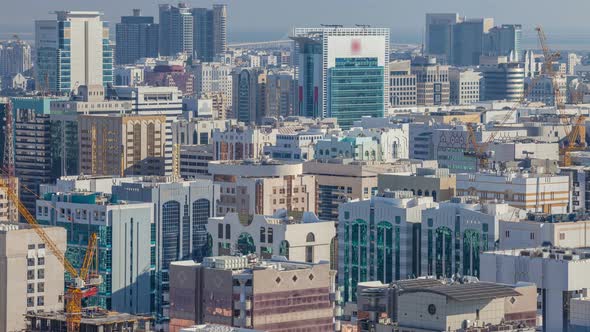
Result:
201,214
426,193
443,253
245,244
434,195
419,192
471,249
310,237
284,249
170,232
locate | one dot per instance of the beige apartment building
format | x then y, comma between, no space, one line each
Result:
262,187
8,210
531,192
31,277
340,180
435,182
122,144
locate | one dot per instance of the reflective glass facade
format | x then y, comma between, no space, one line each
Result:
356,88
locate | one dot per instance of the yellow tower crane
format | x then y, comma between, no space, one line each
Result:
84,284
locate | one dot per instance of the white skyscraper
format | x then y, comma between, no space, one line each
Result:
73,50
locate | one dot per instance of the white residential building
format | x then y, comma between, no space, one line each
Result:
560,275
305,239
214,77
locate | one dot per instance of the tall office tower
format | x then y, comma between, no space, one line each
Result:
432,82
467,42
325,56
72,50
124,231
439,29
122,144
31,277
33,157
280,93
176,30
402,84
137,37
248,89
504,40
15,57
210,32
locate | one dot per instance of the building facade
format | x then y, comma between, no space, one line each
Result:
136,38
72,50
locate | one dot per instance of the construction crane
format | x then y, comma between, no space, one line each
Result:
575,138
84,284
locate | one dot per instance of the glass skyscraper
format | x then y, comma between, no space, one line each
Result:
356,89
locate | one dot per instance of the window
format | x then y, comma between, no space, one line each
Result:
41,246
310,237
507,234
532,236
269,236
228,232
31,246
40,300
30,288
41,261
30,274
30,262
562,236
41,273
30,302
262,234
40,287
220,231
309,254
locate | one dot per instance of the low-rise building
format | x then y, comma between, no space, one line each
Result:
267,295
302,238
560,275
562,231
435,182
531,192
242,142
464,86
262,187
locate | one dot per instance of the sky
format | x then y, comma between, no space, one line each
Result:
565,21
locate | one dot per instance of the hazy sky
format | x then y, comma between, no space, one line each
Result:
262,19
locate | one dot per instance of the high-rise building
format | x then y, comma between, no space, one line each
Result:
248,95
467,42
181,211
210,32
402,84
325,56
137,37
438,34
280,94
214,78
175,30
15,57
432,82
72,50
126,242
34,150
122,144
504,40
266,295
31,277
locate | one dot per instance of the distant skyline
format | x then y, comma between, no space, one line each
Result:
565,22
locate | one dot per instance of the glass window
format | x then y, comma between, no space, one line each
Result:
30,274
41,273
40,287
30,288
41,261
262,234
220,231
40,300
30,302
270,235
30,262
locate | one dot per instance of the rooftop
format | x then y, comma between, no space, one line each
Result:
558,254
93,316
463,292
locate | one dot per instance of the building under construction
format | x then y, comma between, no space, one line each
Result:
94,319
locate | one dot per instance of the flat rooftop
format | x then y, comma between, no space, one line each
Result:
468,291
91,317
